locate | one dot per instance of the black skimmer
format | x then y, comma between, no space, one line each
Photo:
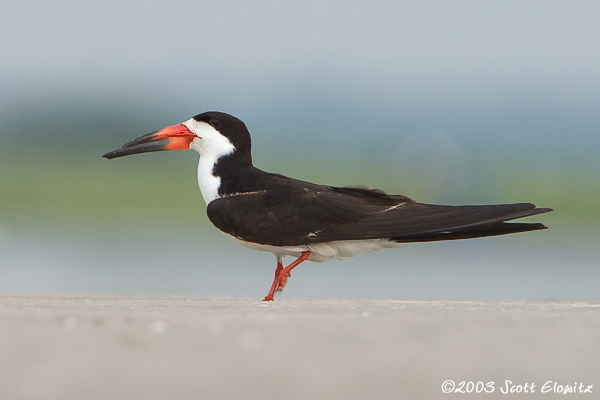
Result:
288,217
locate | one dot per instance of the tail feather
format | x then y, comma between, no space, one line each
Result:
494,229
419,222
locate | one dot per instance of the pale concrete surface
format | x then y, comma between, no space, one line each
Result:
59,347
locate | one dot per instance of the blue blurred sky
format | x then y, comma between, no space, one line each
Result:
445,101
513,74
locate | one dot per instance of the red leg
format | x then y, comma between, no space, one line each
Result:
275,284
285,274
282,274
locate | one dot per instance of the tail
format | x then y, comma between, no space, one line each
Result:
493,229
419,222
474,227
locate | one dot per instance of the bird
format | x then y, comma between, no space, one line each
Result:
289,217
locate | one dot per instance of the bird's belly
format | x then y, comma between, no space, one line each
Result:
322,252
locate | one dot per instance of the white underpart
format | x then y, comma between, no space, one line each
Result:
211,146
326,251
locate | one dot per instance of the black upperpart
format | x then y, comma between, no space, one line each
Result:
281,211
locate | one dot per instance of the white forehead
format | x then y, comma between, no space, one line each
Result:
210,143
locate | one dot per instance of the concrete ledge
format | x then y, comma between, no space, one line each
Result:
65,347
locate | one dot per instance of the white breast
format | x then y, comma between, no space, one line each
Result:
208,183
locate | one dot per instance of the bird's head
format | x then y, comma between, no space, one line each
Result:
212,134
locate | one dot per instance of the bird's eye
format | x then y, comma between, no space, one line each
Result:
214,122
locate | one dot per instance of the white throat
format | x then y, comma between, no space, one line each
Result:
211,145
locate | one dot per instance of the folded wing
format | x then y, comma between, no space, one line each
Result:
307,213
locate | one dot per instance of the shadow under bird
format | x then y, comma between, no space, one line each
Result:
289,217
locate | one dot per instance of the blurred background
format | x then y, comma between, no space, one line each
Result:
446,102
